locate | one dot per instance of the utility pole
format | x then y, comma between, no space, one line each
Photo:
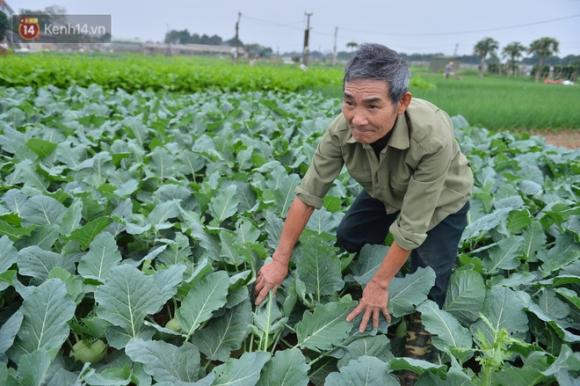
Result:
238,36
334,48
455,51
306,37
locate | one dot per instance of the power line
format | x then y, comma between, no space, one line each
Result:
515,26
292,25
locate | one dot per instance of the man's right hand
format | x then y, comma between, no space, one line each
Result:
270,277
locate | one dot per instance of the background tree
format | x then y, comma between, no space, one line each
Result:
352,45
513,52
3,25
543,48
482,49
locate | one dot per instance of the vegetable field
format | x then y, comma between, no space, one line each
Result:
132,226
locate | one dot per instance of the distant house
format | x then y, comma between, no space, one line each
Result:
190,49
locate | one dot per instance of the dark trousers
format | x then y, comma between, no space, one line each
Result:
366,222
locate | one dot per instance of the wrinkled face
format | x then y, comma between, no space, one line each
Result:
368,109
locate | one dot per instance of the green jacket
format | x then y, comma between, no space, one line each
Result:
421,172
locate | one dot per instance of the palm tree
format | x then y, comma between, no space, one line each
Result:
352,45
543,48
513,51
482,49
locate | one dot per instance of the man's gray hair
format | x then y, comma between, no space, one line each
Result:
375,61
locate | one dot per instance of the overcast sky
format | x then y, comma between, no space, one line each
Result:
408,26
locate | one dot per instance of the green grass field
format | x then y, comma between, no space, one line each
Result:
506,103
499,102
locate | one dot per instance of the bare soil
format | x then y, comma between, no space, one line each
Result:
564,138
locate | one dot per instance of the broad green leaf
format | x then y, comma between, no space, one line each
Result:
364,371
178,252
322,221
43,236
33,367
47,311
418,366
15,200
8,331
193,226
42,210
164,361
204,298
244,371
225,204
485,223
447,333
268,319
519,220
517,279
89,231
102,256
41,147
504,309
319,267
531,188
564,252
282,194
527,375
72,217
569,295
534,240
74,283
504,255
24,173
552,305
567,361
273,228
163,212
225,333
110,376
407,292
325,327
375,346
562,333
168,280
36,262
127,188
456,376
286,368
367,262
8,254
465,296
127,297
14,232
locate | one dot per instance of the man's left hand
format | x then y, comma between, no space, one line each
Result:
373,303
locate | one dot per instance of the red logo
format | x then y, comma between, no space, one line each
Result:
29,28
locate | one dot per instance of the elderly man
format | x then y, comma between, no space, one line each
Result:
416,185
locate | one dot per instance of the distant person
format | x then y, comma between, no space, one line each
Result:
449,70
416,184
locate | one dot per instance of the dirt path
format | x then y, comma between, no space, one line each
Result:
564,138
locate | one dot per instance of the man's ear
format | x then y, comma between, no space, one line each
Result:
405,102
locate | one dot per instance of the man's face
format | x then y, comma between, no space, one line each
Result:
368,109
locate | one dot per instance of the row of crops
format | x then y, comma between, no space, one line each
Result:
181,74
133,224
